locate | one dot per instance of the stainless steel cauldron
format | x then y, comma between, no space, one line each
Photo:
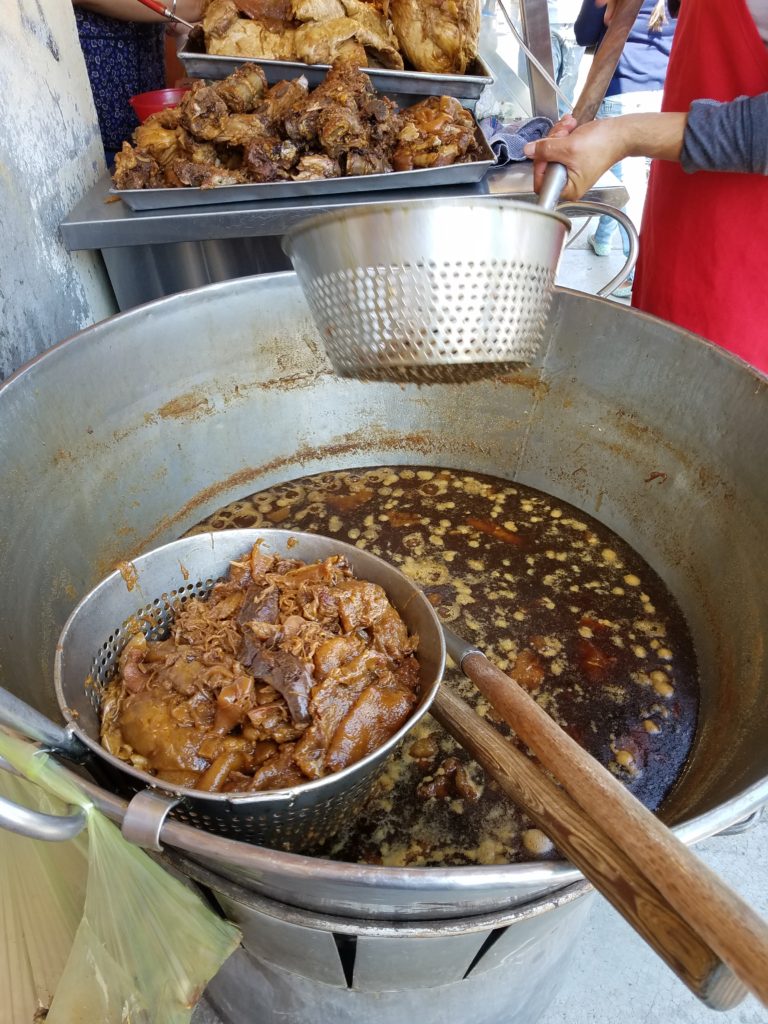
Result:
129,433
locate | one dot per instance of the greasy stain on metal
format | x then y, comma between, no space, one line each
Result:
532,381
707,479
128,571
293,382
357,443
184,570
189,405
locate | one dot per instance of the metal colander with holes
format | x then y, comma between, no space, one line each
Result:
144,594
428,286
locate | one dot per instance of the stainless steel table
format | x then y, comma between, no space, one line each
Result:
160,252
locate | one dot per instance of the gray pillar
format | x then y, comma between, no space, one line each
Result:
50,155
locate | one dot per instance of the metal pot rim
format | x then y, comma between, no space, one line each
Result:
415,206
544,873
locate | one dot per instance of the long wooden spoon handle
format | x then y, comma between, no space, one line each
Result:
581,840
605,60
721,918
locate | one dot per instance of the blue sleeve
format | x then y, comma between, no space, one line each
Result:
727,136
589,28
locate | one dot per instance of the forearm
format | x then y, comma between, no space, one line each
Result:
133,10
591,149
658,136
727,136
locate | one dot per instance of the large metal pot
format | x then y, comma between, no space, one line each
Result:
129,433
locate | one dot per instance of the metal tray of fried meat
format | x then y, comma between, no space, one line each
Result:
466,88
454,174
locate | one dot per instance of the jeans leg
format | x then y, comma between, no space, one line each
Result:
606,226
566,58
571,54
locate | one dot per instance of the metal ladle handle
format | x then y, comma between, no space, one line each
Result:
579,208
36,824
143,819
18,715
600,73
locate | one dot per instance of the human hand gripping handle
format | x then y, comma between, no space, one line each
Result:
556,180
587,151
585,155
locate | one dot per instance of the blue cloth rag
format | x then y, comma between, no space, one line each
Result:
507,139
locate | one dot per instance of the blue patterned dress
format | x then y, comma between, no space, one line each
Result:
123,58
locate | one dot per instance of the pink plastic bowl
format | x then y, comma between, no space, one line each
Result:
147,103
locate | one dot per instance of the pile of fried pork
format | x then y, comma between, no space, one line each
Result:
238,130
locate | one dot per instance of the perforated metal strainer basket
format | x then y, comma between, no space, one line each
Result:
446,290
424,287
145,594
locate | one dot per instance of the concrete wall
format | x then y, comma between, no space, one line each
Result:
50,155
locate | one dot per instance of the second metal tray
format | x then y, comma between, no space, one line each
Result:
466,88
455,174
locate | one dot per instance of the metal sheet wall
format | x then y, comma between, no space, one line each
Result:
50,155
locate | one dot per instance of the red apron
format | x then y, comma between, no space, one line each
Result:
705,236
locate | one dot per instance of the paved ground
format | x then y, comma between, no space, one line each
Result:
616,979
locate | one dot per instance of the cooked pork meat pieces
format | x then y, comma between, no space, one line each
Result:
314,166
135,168
286,672
434,133
437,36
238,131
203,111
242,90
312,31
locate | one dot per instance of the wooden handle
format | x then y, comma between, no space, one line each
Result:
586,846
721,918
605,60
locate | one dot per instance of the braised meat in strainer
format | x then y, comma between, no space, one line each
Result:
285,672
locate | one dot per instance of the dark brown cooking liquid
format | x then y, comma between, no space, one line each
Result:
552,596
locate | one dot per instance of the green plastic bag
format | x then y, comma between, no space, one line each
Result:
146,945
42,894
